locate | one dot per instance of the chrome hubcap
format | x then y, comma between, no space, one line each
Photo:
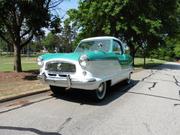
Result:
101,91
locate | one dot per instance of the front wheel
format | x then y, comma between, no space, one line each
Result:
100,92
57,91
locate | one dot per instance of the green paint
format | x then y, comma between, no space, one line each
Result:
100,55
123,59
69,56
76,55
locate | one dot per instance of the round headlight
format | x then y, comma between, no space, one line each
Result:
83,60
40,61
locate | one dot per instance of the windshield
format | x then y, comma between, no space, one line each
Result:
94,45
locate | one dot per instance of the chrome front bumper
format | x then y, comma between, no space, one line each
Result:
68,82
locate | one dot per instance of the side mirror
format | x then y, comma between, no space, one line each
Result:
126,49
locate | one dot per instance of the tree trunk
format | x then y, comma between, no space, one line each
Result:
133,57
17,59
132,53
144,60
144,57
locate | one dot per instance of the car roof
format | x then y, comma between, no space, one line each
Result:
101,37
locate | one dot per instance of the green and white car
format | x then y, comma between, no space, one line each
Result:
96,64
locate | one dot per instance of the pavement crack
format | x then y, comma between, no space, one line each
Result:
148,75
31,130
176,104
154,84
147,127
176,81
64,123
162,80
23,105
152,95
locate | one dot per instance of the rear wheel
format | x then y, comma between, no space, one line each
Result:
100,92
57,91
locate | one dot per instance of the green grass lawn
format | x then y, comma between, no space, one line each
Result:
29,63
149,62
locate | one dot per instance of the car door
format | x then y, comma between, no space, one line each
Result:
122,58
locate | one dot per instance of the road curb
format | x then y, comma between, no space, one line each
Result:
23,95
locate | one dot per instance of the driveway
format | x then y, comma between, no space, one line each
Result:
149,106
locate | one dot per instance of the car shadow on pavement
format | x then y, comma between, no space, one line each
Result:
85,97
33,130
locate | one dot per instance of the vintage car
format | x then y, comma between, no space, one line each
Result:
96,64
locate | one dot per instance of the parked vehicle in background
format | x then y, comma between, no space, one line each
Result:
96,64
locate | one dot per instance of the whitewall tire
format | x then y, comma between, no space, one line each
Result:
101,91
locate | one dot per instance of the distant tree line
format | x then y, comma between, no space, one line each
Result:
57,42
61,41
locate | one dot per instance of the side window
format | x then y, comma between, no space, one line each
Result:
117,48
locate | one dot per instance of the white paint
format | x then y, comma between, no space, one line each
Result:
100,70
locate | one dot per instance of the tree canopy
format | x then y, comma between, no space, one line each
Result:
61,41
137,22
21,20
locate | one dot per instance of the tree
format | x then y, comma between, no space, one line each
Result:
68,35
177,50
22,20
62,41
51,41
3,45
177,47
137,22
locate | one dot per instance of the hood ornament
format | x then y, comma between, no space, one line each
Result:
59,66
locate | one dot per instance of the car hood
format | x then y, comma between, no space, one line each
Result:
95,55
71,56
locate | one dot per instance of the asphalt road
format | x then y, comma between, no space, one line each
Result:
150,106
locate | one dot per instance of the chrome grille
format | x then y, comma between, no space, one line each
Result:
60,67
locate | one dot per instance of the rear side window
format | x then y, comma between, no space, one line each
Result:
117,47
94,45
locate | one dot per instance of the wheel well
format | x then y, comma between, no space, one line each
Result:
108,83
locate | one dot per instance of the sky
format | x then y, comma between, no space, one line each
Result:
65,6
